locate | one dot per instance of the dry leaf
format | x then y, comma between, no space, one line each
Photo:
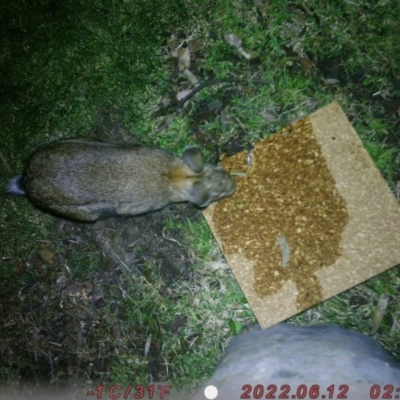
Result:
173,44
379,312
182,94
332,81
147,345
184,59
236,41
224,117
191,77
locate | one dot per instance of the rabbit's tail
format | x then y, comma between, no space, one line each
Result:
15,186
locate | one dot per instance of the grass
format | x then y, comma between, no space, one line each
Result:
69,68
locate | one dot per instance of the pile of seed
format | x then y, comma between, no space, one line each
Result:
287,216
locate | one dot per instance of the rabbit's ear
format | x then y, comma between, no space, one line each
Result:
192,158
199,194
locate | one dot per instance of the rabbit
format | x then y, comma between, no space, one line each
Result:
84,180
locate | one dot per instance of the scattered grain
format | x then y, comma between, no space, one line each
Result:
288,192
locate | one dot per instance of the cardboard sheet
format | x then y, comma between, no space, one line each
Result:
311,217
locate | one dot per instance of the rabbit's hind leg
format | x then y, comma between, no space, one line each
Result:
86,213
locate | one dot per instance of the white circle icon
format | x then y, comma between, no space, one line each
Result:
211,392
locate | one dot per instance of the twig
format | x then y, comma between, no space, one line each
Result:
200,87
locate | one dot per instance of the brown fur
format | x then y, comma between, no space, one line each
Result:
84,180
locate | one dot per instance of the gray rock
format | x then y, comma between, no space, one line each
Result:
322,355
